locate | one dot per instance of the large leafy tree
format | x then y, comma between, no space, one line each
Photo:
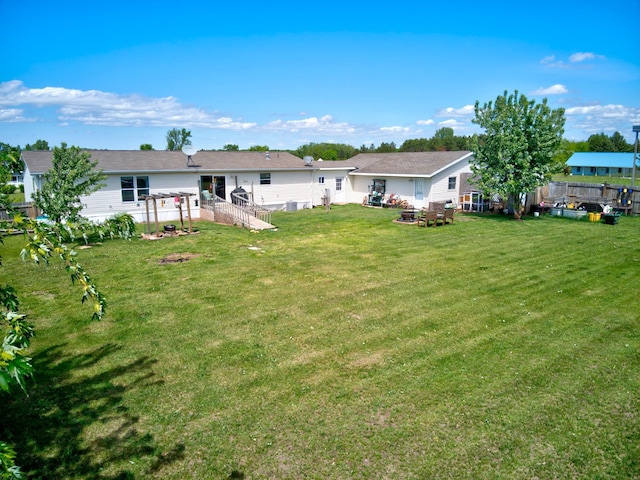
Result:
72,175
516,153
176,139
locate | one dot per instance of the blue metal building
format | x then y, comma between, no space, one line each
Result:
605,164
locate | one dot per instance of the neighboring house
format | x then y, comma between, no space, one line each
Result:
605,164
274,180
17,179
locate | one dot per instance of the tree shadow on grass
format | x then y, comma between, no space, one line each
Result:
49,427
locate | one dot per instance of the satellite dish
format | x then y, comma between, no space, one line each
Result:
189,150
308,159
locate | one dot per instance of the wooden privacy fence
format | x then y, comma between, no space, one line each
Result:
621,197
26,208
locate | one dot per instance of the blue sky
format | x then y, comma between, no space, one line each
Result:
115,75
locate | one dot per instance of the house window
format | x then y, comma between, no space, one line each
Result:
320,179
134,187
452,183
265,179
339,184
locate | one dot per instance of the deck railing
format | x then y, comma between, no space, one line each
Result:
241,214
251,207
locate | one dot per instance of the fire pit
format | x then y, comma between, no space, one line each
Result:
169,228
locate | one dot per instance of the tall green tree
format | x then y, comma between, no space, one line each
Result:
38,145
146,146
444,132
415,145
176,139
599,142
620,143
387,148
259,148
231,147
364,149
72,175
326,151
515,155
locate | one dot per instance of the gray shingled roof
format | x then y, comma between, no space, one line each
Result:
172,161
405,163
117,161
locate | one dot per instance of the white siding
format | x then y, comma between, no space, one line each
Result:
436,189
29,184
293,186
440,190
108,200
402,186
319,189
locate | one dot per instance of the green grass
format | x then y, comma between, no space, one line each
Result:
342,345
612,180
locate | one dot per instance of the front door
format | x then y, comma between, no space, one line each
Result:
340,197
214,185
419,193
219,184
206,182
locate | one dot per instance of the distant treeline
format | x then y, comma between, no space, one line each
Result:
443,140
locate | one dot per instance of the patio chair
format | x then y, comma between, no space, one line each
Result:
206,195
426,217
447,216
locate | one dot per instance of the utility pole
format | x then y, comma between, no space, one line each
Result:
636,129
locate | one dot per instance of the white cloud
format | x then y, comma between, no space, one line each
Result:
395,129
606,111
550,60
322,126
583,56
465,111
14,115
455,125
602,118
425,122
94,107
556,89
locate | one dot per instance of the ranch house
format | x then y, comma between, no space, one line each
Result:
273,180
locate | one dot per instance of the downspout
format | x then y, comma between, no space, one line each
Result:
311,189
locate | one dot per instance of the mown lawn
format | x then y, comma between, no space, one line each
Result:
612,180
341,345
